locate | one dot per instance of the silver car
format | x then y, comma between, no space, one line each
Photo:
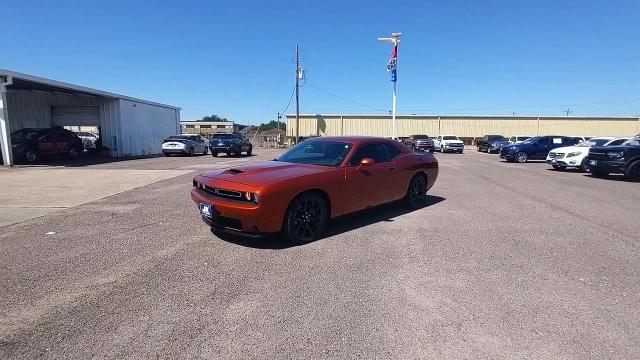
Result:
185,145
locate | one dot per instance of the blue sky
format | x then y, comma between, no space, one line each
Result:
234,58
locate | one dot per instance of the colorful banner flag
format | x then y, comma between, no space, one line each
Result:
392,64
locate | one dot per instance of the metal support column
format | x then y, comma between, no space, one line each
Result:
5,129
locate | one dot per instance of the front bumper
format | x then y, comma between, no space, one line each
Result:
447,147
609,166
507,155
237,217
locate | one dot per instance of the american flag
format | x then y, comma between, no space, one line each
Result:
391,65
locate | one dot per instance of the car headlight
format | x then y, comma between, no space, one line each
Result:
615,154
575,153
252,197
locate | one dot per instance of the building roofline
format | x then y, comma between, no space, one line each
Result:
83,89
528,117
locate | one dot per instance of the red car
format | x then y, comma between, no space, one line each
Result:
314,181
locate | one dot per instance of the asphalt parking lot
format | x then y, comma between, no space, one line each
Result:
507,261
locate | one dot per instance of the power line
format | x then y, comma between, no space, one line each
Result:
289,103
344,98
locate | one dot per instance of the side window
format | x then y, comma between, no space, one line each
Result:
617,142
544,141
512,138
375,151
392,151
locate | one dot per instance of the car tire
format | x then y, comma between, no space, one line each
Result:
191,152
479,149
31,156
521,157
633,171
214,154
206,150
432,150
416,195
584,166
166,154
250,151
461,151
306,218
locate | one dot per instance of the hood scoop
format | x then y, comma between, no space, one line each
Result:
233,171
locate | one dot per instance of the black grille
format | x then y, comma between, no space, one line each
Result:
221,193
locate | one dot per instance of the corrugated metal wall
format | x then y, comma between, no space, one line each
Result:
32,108
462,126
110,124
144,126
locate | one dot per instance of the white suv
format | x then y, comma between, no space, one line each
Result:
446,143
576,156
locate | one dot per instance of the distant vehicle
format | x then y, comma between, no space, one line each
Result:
497,145
316,180
518,139
485,142
185,145
621,159
445,143
89,139
229,144
535,148
393,138
30,145
576,156
420,142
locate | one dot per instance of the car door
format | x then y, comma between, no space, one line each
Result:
540,149
370,183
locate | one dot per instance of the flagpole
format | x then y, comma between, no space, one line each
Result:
392,66
393,111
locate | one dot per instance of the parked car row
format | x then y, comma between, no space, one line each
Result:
598,155
230,144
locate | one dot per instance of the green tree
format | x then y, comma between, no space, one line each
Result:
272,125
213,118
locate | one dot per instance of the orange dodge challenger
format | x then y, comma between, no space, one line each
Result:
316,180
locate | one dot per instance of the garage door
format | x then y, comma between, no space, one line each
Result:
75,116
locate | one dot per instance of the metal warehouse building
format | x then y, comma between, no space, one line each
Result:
127,126
467,127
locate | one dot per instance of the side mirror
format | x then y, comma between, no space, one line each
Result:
366,162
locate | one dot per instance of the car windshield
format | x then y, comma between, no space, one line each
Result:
594,142
325,153
420,137
449,138
26,134
223,136
522,138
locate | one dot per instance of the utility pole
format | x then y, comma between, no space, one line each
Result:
568,111
297,95
278,129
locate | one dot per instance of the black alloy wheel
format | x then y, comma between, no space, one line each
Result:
416,195
31,156
633,171
191,152
306,218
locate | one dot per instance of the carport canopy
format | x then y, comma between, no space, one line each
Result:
60,115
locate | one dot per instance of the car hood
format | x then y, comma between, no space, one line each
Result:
567,149
263,173
610,148
452,141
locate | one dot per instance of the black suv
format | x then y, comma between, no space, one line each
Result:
420,142
229,144
622,159
484,144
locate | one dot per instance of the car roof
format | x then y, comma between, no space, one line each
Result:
351,139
